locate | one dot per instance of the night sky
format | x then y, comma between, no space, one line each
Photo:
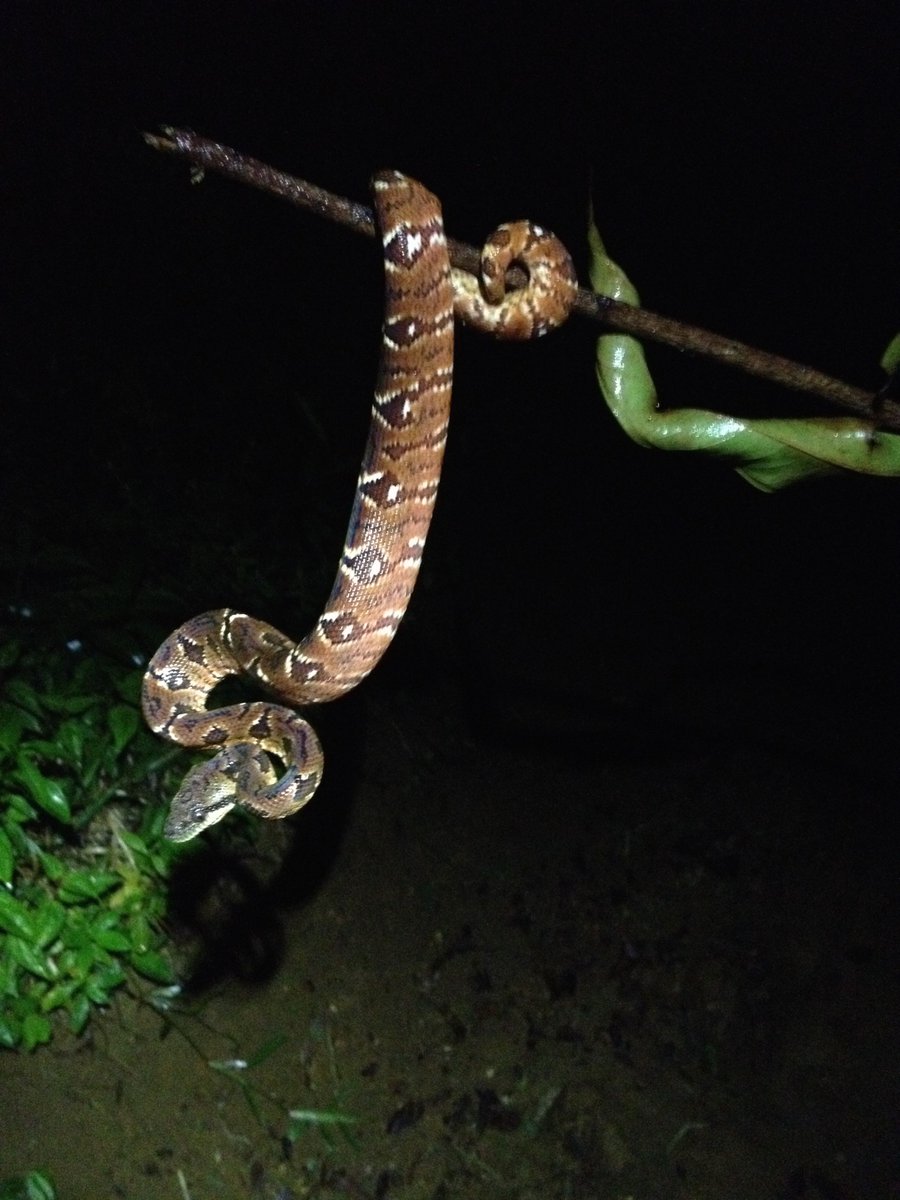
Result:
170,347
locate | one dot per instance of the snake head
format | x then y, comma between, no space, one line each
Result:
211,789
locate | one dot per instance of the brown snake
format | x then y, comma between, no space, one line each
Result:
395,496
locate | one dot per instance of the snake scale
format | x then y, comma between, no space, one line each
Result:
395,496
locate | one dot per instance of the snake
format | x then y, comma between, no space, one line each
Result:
389,520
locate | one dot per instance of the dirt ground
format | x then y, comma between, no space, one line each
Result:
605,968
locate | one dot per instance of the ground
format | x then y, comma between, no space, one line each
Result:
483,967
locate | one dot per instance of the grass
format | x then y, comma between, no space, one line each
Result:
331,1124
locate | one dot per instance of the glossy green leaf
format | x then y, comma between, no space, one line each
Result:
39,1186
152,966
105,919
96,993
102,982
22,694
141,933
134,842
6,858
84,958
26,956
36,1030
33,1186
10,1033
890,360
79,1011
112,939
86,885
123,723
43,748
9,976
47,922
54,867
58,995
12,724
18,808
14,916
27,721
70,741
46,793
162,859
110,976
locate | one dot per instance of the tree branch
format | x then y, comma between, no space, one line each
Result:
621,318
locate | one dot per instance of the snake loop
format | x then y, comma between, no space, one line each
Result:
389,521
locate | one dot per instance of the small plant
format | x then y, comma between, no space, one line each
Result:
83,863
33,1186
327,1122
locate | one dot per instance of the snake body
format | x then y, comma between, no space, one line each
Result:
395,496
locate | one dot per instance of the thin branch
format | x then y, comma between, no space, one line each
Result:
613,315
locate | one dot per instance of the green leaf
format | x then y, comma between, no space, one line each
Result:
36,1030
134,842
47,922
39,1186
891,358
152,966
9,976
14,916
26,956
12,723
86,885
161,859
324,1120
23,694
112,939
46,793
123,723
102,982
33,1186
58,995
70,741
10,1033
6,858
43,748
79,1011
84,958
141,933
18,808
54,867
104,920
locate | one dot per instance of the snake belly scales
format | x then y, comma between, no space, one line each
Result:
395,496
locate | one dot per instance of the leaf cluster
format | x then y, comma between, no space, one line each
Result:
83,864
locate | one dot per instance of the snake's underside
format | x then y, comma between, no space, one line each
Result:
395,497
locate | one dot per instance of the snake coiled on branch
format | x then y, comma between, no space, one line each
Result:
395,496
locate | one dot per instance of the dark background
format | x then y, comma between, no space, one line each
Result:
190,367
701,681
